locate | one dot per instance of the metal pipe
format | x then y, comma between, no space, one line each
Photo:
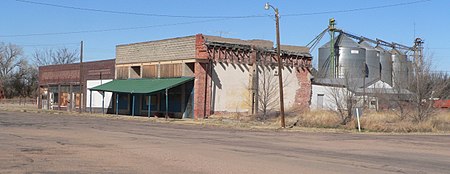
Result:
167,103
117,103
149,105
48,97
132,107
59,97
103,102
69,106
90,101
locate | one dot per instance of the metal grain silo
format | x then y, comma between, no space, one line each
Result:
372,59
324,61
350,58
385,65
399,68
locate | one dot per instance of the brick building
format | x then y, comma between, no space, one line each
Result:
59,85
200,75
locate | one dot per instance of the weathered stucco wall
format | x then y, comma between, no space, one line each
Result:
328,100
290,82
230,88
291,85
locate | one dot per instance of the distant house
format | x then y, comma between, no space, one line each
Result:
441,104
378,94
196,76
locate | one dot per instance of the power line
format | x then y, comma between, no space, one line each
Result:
440,48
111,29
44,45
357,9
211,18
139,14
217,17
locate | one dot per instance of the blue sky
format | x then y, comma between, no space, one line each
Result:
430,18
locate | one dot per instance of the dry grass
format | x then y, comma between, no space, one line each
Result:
370,122
390,122
441,121
317,119
373,122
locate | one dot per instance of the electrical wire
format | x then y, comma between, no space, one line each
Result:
218,17
440,48
356,9
211,18
44,45
140,14
111,29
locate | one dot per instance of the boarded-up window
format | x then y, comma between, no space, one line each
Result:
150,71
64,99
170,70
122,72
135,72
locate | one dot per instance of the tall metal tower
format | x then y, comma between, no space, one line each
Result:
332,67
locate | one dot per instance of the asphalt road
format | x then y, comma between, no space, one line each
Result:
45,143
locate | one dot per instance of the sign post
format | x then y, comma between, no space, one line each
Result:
357,117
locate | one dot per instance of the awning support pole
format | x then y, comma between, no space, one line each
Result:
117,103
59,97
132,107
90,101
103,102
167,103
149,104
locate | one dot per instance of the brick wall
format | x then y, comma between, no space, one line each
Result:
168,49
59,74
202,83
303,94
70,73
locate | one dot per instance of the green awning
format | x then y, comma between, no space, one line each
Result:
141,86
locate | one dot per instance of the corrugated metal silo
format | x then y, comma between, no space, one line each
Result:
351,58
324,61
399,68
372,60
386,65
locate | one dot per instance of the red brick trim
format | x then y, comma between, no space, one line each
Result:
202,83
303,94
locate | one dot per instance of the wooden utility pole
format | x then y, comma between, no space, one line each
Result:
280,70
280,73
81,78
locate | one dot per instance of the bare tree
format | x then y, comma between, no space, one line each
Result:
415,96
43,57
268,90
426,86
401,96
10,57
54,57
344,98
22,82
